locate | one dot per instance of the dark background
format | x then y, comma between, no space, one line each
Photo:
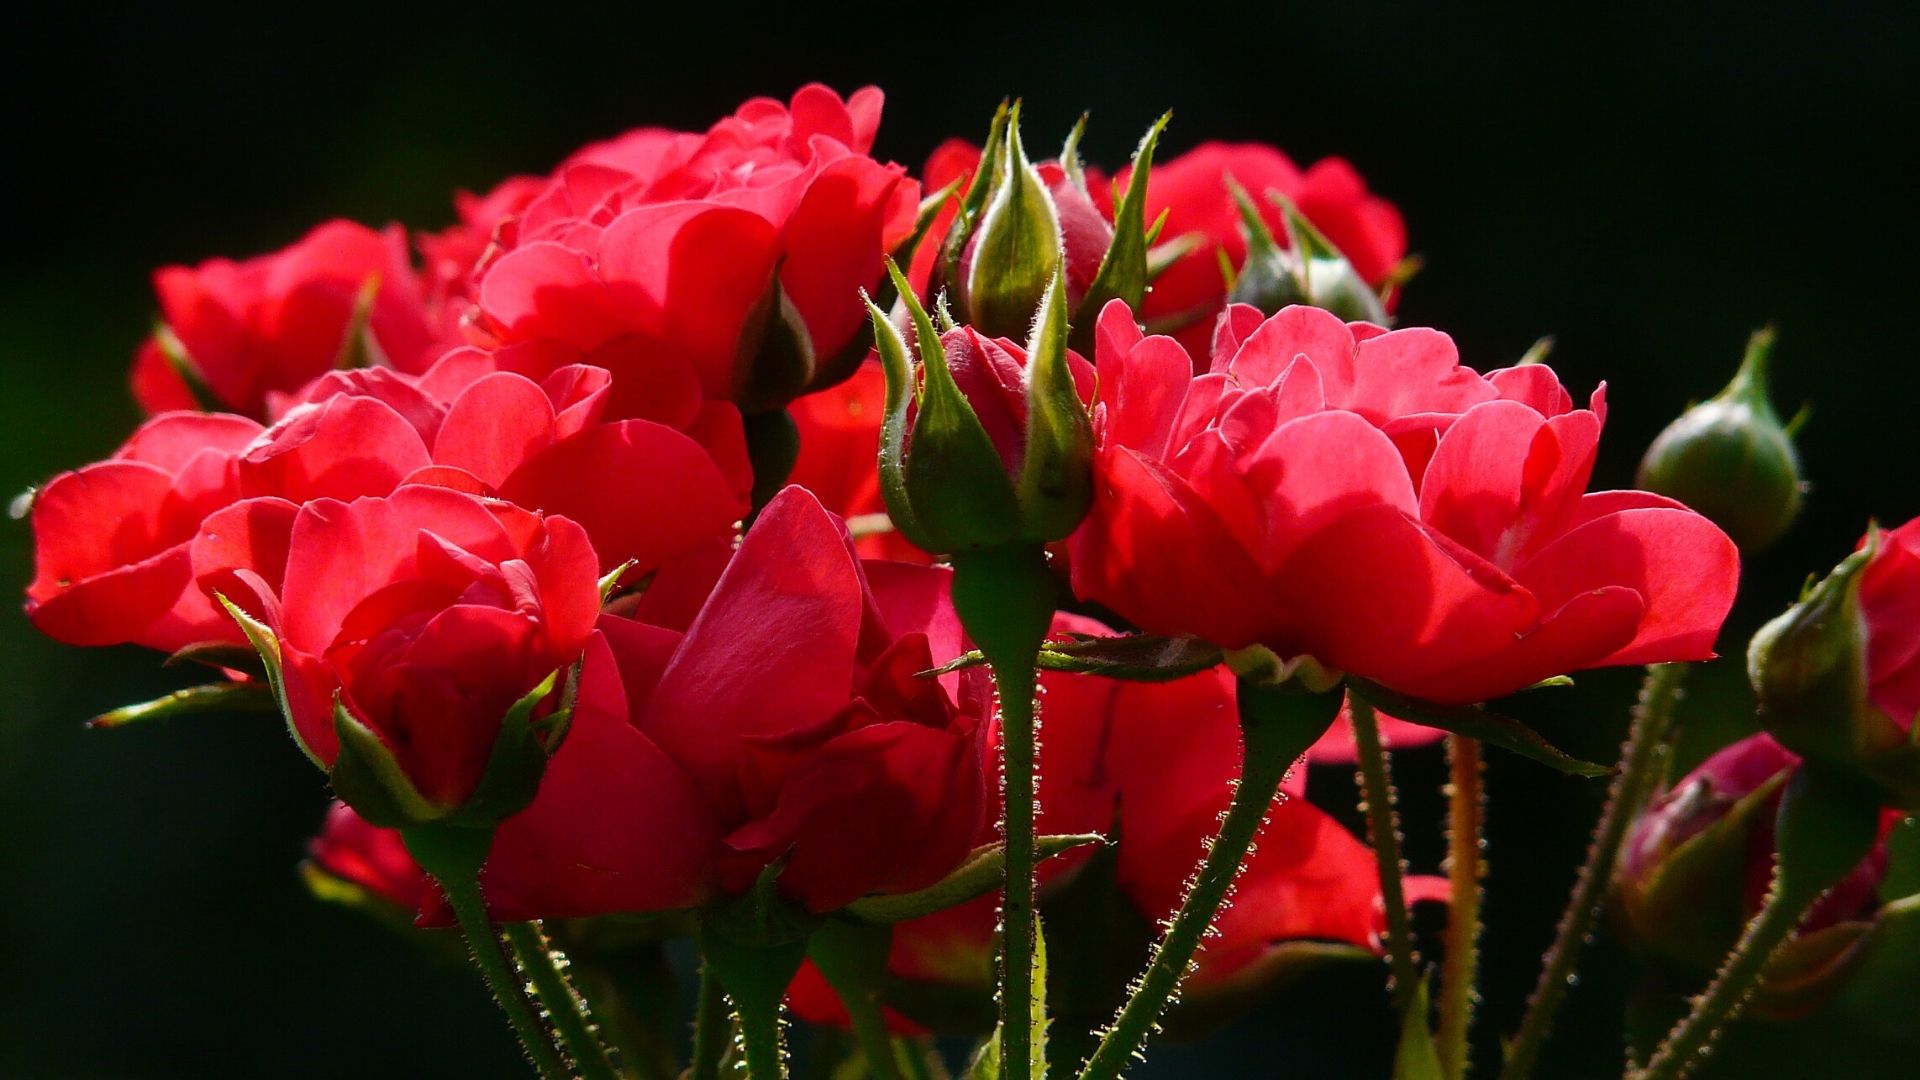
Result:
1645,183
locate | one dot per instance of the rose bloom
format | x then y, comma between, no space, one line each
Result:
729,261
1192,191
1359,496
370,858
425,614
1154,765
1890,605
111,539
273,322
450,258
773,715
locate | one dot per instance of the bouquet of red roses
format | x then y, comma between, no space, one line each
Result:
697,541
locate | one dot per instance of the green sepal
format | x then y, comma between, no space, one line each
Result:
755,972
947,267
612,580
1056,475
213,697
901,391
761,916
1475,722
1416,1057
956,484
775,361
1326,276
1269,277
1132,658
1070,162
1124,270
366,776
1537,352
978,874
1017,250
519,756
1828,823
358,347
267,647
923,219
174,352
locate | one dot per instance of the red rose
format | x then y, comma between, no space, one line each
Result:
1192,191
789,705
733,258
426,615
273,322
451,257
646,490
1359,496
1155,763
369,857
111,540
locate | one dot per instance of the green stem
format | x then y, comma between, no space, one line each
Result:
1383,828
755,974
1465,867
565,1009
1642,762
635,999
1005,599
1275,731
712,1021
453,857
853,959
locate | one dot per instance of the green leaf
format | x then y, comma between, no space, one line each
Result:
366,776
213,697
268,648
1417,1058
986,1059
1124,270
514,765
978,874
1017,250
219,654
1056,477
1475,722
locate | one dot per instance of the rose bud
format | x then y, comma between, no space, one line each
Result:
1308,270
1699,860
366,866
768,729
1204,229
1018,224
112,561
233,332
1838,674
1358,496
998,443
1730,458
417,642
727,263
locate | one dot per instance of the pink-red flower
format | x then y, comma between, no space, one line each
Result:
1154,765
272,323
371,858
729,261
773,717
1890,606
424,615
1359,496
111,540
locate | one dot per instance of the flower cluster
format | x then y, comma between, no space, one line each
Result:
690,533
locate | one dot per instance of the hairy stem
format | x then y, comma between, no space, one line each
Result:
1642,761
566,1010
1465,867
712,1022
1383,829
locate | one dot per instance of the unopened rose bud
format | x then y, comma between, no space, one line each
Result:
1731,458
1308,270
982,444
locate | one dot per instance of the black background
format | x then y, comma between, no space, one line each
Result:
1646,183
